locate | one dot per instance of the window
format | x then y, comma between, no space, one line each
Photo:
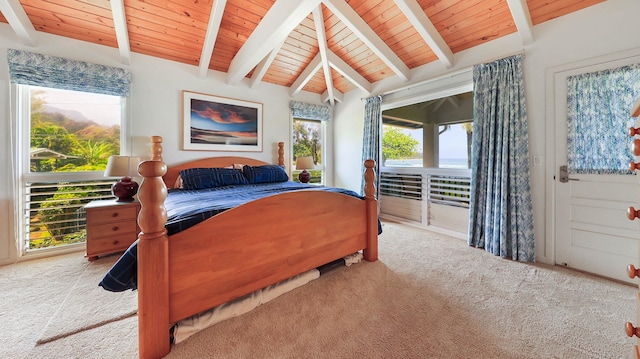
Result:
308,140
67,138
598,104
454,143
401,143
433,134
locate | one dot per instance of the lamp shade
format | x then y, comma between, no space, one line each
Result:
304,163
124,166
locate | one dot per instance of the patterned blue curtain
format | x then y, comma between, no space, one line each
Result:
371,138
29,68
309,111
598,114
501,213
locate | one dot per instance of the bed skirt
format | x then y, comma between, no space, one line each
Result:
192,325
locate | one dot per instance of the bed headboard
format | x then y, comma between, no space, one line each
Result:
224,161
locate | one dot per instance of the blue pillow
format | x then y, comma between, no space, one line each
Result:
265,174
200,178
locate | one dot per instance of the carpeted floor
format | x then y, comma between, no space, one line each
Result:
429,296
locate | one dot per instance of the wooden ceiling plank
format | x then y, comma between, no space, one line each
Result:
358,26
264,65
215,18
522,18
146,12
306,75
348,72
542,11
427,30
19,21
335,94
322,46
122,34
276,25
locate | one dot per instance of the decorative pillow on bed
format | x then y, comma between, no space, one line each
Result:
265,174
199,178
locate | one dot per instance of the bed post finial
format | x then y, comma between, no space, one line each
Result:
371,252
281,153
156,148
369,179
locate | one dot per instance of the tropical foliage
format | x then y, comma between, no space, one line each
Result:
306,140
69,145
397,145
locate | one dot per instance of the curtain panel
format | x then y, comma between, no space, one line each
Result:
598,106
29,68
310,111
501,213
371,138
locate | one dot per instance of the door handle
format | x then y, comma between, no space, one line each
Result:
564,175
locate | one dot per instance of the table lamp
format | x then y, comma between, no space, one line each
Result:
124,166
304,164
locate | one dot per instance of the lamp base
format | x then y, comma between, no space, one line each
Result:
304,176
124,189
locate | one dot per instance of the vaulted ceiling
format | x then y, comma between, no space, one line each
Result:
329,47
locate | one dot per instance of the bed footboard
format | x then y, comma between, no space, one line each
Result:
161,296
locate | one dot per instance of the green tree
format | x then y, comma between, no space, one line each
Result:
397,145
306,141
61,209
94,153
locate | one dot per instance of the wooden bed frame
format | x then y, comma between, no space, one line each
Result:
240,250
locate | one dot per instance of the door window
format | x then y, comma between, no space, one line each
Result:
598,111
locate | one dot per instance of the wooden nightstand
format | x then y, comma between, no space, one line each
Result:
111,226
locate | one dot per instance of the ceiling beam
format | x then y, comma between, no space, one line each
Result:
215,18
439,103
522,18
263,66
19,21
359,27
348,72
423,25
275,27
454,101
338,96
321,35
122,34
306,75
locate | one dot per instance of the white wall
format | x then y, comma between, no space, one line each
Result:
609,27
154,108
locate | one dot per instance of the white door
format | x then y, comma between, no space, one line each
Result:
592,231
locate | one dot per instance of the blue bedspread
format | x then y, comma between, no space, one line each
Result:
188,208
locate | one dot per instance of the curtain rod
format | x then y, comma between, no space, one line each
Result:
442,76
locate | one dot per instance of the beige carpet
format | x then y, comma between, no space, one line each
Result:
429,296
87,305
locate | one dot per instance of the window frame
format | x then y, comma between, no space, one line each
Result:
323,144
21,119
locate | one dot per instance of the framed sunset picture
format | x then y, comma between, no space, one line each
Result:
214,123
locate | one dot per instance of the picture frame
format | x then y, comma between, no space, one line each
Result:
215,123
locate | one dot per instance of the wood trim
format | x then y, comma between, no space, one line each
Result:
206,265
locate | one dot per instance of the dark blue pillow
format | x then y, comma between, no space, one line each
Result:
200,178
265,174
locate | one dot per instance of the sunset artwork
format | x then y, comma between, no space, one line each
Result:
217,123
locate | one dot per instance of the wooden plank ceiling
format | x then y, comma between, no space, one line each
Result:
327,47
